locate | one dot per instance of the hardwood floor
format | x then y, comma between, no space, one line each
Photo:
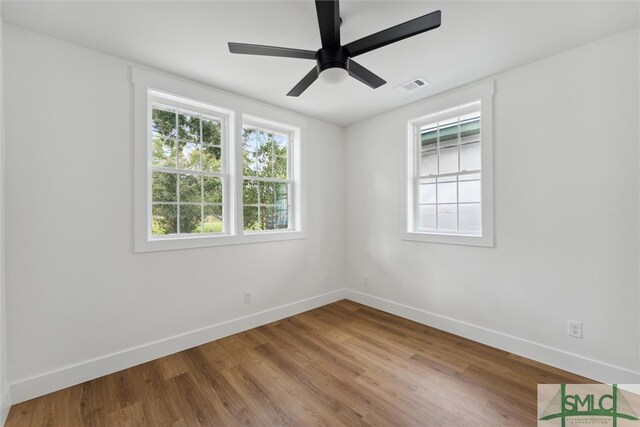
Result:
341,364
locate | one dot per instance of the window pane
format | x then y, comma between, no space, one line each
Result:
164,219
447,192
470,156
250,192
470,127
281,168
281,145
470,218
190,188
249,140
250,215
448,160
267,193
213,219
163,121
427,217
268,217
211,158
190,219
282,196
188,127
265,161
447,217
249,163
164,152
211,132
428,163
469,191
189,155
212,189
265,153
282,217
448,134
427,191
428,138
164,187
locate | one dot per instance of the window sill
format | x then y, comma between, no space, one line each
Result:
450,239
176,243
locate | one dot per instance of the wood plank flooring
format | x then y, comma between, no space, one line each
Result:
341,364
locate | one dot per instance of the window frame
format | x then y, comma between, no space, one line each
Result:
433,110
236,109
157,97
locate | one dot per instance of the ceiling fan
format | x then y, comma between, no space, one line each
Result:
333,60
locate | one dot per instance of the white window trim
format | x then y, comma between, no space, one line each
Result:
483,93
235,108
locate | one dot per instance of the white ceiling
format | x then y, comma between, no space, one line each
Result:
476,39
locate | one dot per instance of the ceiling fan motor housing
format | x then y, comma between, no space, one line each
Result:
332,57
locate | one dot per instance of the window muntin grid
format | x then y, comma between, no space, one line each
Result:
188,173
267,183
448,183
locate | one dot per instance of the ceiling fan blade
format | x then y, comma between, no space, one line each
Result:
394,34
257,49
360,73
304,83
329,22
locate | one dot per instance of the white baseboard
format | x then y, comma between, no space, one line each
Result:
593,369
5,404
75,374
65,377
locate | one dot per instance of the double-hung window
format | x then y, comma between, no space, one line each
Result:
449,173
448,184
207,173
188,170
266,180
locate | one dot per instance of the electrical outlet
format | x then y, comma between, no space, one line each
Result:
575,329
247,296
365,280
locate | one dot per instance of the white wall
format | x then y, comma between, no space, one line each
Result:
5,396
81,303
78,292
566,218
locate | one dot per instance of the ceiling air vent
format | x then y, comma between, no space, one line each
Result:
412,84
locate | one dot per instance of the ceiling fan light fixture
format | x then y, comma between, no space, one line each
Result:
334,61
334,75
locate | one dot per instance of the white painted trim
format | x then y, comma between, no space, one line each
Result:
5,404
439,106
67,376
590,368
39,385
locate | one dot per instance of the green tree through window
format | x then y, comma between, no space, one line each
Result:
187,172
266,181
